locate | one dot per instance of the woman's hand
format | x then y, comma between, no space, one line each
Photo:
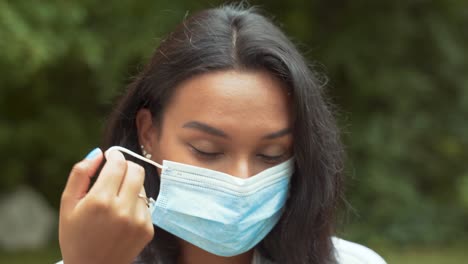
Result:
110,223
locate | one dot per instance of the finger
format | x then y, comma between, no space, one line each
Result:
144,218
142,190
141,206
132,183
80,178
111,176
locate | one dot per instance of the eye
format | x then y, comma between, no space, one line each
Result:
204,154
271,159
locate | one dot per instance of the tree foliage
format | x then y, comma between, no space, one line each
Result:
396,70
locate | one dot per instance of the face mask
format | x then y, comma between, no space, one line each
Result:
215,211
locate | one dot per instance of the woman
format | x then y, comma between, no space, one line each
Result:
251,158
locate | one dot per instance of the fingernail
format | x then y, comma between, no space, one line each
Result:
94,153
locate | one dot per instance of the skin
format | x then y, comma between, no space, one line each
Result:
108,224
241,118
236,122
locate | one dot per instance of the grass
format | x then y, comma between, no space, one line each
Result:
49,255
427,255
407,255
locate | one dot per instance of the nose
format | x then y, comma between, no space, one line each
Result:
241,169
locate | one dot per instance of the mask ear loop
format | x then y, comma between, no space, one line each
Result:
131,153
150,202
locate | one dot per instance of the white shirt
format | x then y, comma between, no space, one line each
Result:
352,253
346,252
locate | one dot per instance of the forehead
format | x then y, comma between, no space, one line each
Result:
232,100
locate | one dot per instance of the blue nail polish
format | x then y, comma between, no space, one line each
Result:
93,153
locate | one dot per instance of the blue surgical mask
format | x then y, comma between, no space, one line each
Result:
220,213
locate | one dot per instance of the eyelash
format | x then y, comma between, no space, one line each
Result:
205,155
213,155
271,159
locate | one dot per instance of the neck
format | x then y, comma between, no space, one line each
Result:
190,254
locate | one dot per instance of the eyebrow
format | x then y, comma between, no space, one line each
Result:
282,132
219,133
205,128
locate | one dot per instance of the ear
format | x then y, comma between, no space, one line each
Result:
147,131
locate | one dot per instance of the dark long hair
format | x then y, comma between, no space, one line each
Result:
239,38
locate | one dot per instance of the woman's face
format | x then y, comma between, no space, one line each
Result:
234,122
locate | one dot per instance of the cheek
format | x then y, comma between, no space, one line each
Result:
173,149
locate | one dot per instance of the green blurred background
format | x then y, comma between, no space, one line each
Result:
397,70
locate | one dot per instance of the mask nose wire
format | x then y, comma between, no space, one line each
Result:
131,153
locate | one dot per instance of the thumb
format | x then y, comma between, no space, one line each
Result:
80,178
